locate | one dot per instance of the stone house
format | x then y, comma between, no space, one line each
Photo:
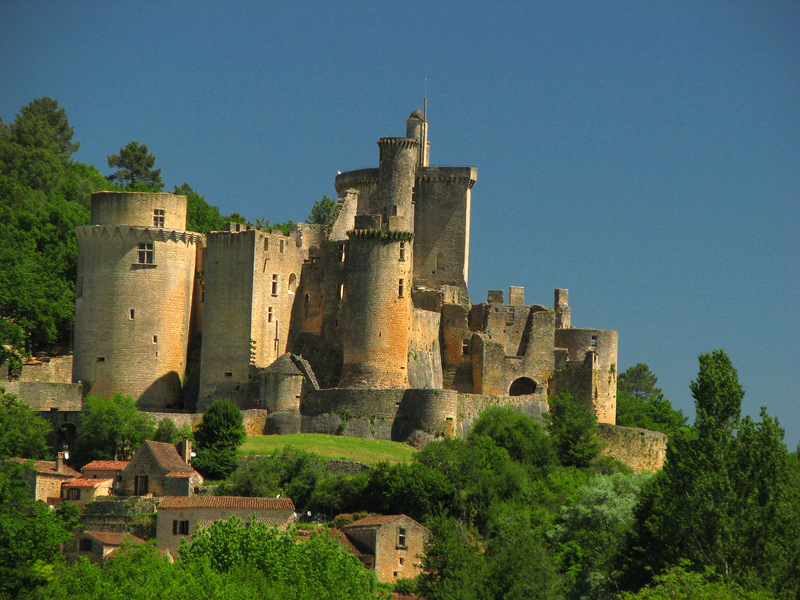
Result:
178,517
96,546
46,477
392,545
81,490
105,469
161,469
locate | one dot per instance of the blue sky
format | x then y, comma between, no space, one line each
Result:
644,155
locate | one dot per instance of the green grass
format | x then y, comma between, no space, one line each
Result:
330,447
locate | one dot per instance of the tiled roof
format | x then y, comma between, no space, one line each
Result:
180,474
167,456
113,539
272,521
375,521
81,482
106,465
226,502
47,467
340,537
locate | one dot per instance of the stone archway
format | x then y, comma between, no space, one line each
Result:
522,387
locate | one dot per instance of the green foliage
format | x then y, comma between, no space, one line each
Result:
322,212
453,566
43,124
679,584
727,498
285,228
23,432
590,530
201,216
136,170
653,412
639,381
168,432
112,429
573,429
523,438
217,437
30,534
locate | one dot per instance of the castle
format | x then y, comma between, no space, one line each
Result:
362,327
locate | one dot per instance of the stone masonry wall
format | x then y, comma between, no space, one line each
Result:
44,396
424,352
640,449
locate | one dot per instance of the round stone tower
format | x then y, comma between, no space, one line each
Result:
396,175
376,310
136,276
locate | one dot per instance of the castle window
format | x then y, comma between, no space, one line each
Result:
522,387
394,210
101,359
282,246
341,253
308,297
266,244
228,374
510,314
146,253
414,195
275,284
292,283
401,288
440,262
594,342
401,537
79,287
341,291
155,339
402,251
269,314
158,217
385,214
465,347
132,314
86,545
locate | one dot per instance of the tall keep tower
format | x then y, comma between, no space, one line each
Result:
134,296
377,289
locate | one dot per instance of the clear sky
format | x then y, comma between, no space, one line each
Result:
644,155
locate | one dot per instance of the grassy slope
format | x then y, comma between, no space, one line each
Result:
330,446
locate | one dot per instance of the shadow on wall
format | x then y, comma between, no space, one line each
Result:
164,392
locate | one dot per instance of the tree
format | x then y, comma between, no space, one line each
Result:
523,438
639,381
573,429
136,170
112,429
679,584
30,534
201,216
727,498
322,212
169,433
217,437
43,124
652,412
23,432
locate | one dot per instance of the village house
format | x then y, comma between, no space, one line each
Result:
81,490
390,544
179,517
96,546
45,477
161,469
105,469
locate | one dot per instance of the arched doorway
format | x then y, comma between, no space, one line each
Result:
522,387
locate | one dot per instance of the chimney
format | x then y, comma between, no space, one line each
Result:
185,449
59,462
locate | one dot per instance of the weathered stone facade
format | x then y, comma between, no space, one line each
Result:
373,310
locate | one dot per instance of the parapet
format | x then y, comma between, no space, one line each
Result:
516,295
139,209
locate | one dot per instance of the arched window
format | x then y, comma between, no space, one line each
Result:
522,387
292,283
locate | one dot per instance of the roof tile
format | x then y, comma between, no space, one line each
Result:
82,482
170,502
106,465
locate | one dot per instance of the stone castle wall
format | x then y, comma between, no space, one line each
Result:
132,318
137,209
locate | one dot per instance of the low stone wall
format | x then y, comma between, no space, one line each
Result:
54,369
254,419
640,449
45,396
471,405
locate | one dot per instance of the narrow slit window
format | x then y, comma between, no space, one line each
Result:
132,314
341,253
158,217
401,288
402,251
282,246
270,314
155,339
266,244
341,291
275,284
